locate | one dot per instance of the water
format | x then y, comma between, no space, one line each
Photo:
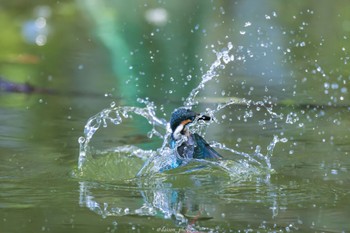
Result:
114,115
182,195
163,192
278,95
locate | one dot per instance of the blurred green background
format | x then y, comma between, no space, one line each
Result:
136,48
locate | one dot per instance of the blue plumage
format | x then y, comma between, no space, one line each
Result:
194,146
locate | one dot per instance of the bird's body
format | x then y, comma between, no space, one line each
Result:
188,145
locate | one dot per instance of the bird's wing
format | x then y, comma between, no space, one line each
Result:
203,150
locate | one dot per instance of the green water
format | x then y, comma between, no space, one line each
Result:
84,55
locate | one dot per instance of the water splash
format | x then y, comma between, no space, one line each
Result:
221,57
164,156
115,115
145,170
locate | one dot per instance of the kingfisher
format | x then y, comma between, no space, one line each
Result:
186,144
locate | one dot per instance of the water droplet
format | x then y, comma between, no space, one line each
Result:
284,140
334,86
229,46
242,32
150,134
81,140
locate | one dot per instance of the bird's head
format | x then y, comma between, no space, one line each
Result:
180,118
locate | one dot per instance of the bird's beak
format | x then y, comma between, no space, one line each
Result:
204,118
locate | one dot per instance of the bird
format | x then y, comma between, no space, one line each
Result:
189,145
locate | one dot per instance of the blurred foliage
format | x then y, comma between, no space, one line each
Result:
48,65
292,50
